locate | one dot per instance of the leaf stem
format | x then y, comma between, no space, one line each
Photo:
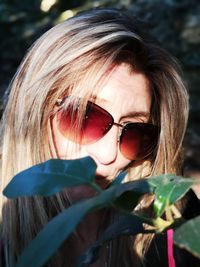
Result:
168,212
175,212
161,224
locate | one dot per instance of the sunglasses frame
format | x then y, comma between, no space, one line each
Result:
123,127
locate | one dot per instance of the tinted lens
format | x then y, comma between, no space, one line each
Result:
96,123
138,140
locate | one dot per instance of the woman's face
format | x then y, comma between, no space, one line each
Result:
127,97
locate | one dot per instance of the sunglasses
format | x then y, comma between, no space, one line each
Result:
136,140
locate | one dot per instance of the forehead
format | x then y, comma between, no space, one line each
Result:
126,89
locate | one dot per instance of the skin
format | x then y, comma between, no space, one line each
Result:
126,96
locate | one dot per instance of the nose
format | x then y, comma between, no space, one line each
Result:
105,150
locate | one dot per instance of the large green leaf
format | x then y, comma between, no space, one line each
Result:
141,186
168,189
187,236
50,177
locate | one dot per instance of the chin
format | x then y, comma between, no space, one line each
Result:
104,180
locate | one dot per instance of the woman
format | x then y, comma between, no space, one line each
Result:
97,70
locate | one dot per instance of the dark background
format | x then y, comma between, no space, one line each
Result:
175,23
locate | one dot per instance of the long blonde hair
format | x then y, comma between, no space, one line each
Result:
73,57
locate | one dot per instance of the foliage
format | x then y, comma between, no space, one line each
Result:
55,175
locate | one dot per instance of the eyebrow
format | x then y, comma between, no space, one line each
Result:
132,114
137,114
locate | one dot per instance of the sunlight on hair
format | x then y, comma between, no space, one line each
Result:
47,4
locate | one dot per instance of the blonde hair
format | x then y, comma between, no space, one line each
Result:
74,56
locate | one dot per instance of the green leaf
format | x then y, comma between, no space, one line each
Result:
160,180
187,236
128,224
141,186
119,179
168,189
50,177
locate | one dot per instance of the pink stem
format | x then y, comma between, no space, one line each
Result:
171,261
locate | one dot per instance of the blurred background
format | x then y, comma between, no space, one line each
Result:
175,23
